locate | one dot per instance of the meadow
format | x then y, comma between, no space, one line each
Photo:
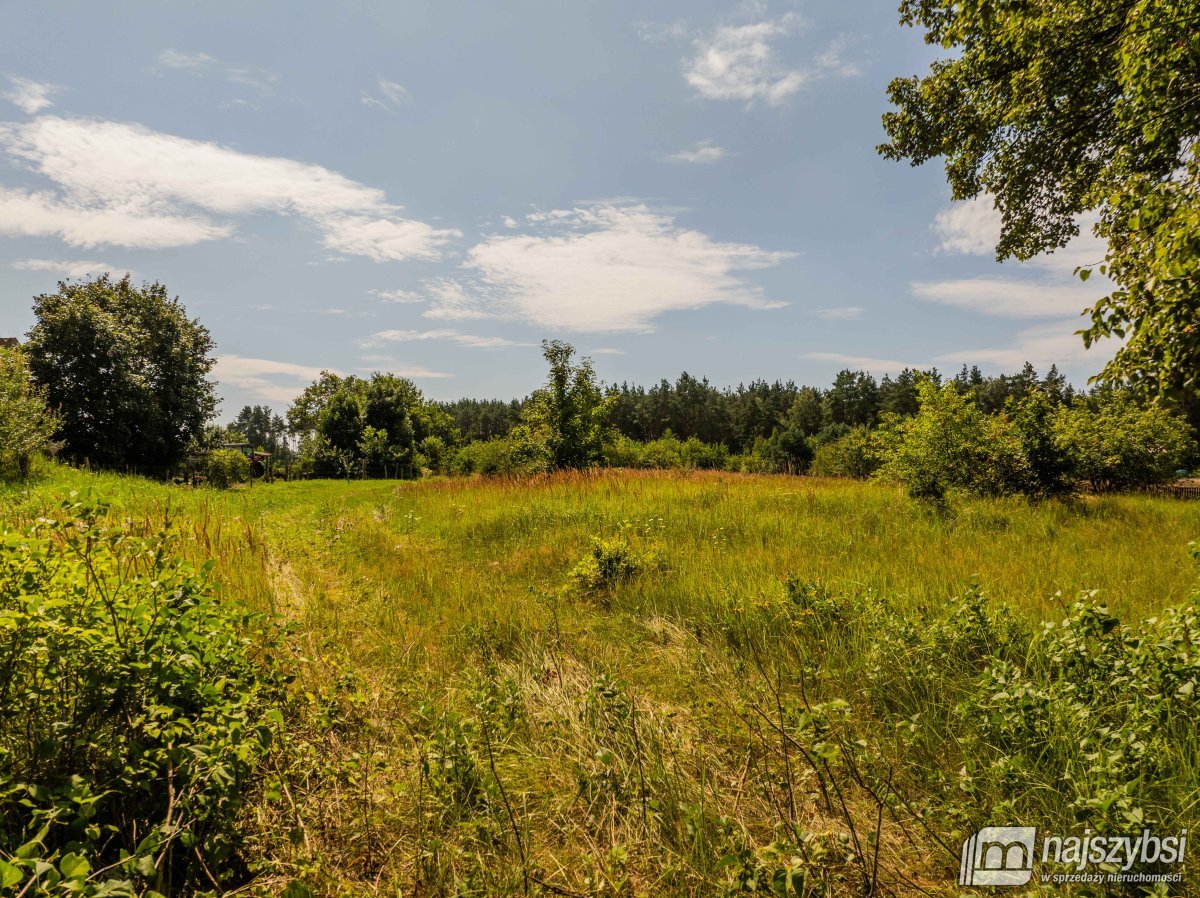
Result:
690,683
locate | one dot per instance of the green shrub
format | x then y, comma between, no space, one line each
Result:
662,453
622,452
856,454
1103,709
510,456
225,467
609,563
137,706
706,456
949,444
26,426
434,454
1114,444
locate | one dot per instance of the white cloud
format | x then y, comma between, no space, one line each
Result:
606,350
451,301
390,97
703,153
1008,297
972,228
402,296
840,313
126,185
861,362
265,378
399,368
202,64
72,268
1043,287
659,31
79,223
30,96
1042,346
601,267
402,336
738,62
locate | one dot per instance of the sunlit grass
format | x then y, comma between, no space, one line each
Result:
446,602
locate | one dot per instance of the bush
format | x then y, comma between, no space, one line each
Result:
707,456
856,454
1114,444
25,424
432,453
144,706
622,452
662,453
950,443
225,467
516,454
610,563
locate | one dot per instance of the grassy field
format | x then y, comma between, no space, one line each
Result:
692,684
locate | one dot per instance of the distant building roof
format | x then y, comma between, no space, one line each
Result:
9,342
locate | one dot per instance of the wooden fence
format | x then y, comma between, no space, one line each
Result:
1177,490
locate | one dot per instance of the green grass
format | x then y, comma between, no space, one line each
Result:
476,724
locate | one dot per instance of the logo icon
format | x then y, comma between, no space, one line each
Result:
998,856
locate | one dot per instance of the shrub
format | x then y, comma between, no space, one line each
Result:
1048,469
434,454
225,467
662,453
622,452
144,706
950,443
707,456
516,454
609,563
25,424
857,454
1114,444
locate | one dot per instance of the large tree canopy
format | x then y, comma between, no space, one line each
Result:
347,422
126,370
1062,107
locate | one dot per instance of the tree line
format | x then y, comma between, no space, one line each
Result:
118,376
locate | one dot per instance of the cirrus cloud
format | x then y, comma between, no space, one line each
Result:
30,96
738,62
126,185
382,338
603,267
266,378
72,268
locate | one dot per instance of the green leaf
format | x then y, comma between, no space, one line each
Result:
296,889
9,875
145,866
73,866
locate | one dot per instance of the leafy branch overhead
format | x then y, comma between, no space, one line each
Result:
1066,107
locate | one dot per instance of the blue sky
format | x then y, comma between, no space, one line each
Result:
434,188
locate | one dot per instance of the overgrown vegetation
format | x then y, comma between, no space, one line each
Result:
615,683
26,425
138,709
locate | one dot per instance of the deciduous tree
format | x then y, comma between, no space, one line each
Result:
125,368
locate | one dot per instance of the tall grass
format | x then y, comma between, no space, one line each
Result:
770,688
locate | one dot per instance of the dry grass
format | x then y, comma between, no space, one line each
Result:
469,724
